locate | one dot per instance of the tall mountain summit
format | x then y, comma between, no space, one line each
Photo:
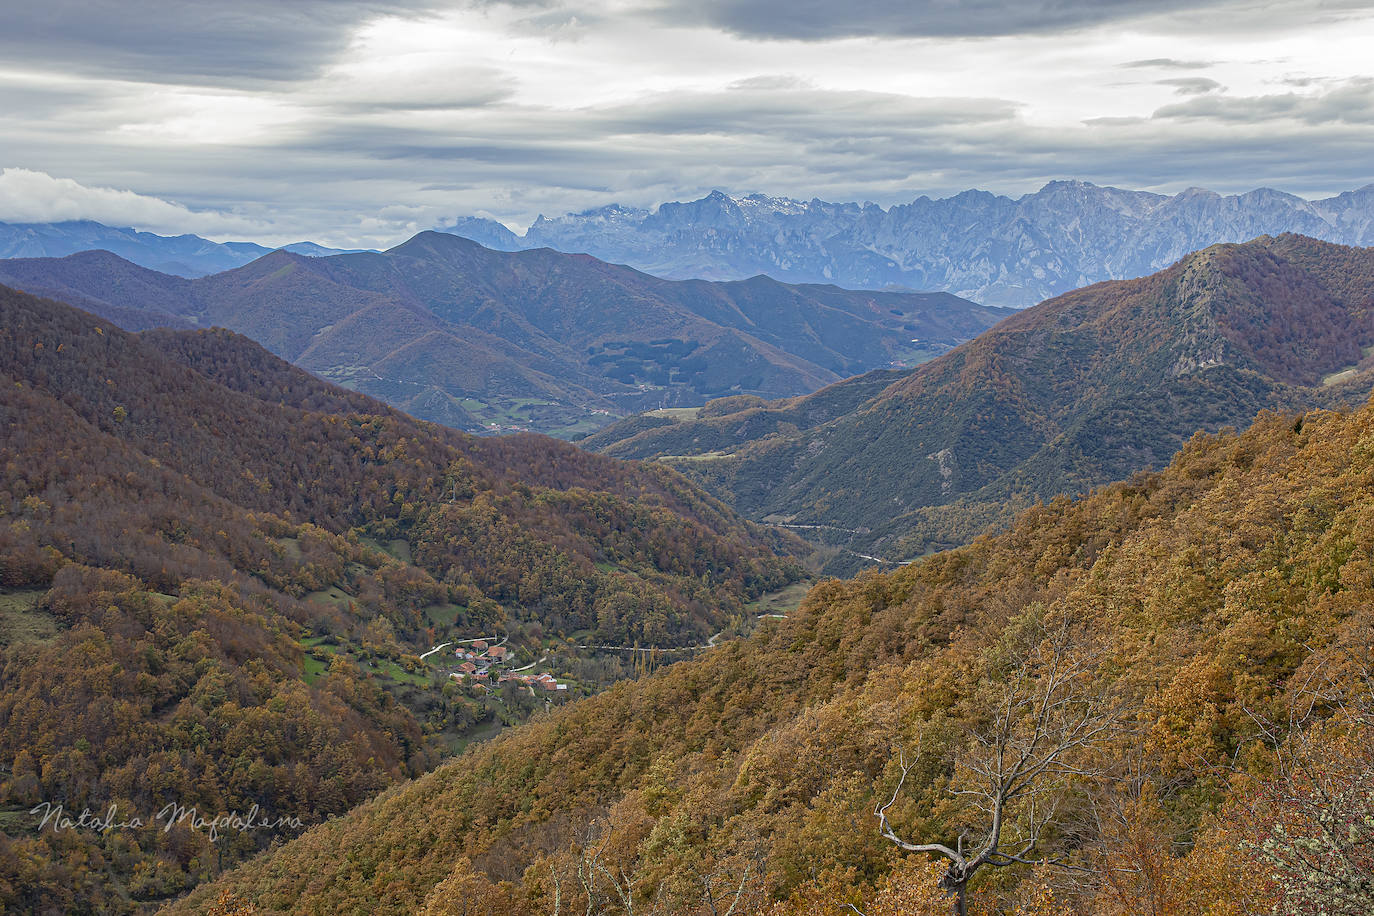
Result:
992,249
1084,388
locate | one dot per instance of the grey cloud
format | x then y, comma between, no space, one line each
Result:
811,112
335,184
468,88
1225,157
665,147
778,81
1166,63
1123,121
814,20
560,23
889,164
1351,102
757,126
1306,82
175,40
23,101
1191,85
803,143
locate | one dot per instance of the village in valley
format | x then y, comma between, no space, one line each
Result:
482,664
469,686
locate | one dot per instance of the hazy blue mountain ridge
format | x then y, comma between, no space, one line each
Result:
180,255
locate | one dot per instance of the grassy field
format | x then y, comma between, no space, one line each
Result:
319,650
14,820
292,546
675,413
913,355
704,456
332,595
443,617
389,669
560,420
488,729
314,668
21,621
397,548
783,601
1349,372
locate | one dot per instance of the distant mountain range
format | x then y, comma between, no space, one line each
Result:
484,340
991,249
182,255
1082,389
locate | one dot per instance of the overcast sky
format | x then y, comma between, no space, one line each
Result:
359,123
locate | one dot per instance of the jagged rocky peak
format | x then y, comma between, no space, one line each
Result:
484,231
712,211
987,247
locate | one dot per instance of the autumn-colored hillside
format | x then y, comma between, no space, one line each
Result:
488,340
1082,389
1194,643
217,575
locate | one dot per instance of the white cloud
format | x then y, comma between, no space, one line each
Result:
27,196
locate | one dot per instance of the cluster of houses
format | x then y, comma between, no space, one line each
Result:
482,663
543,681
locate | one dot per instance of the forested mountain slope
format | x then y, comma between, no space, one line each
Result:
1084,388
1187,612
482,340
196,606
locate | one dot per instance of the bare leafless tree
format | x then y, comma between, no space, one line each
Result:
1311,823
1044,723
725,894
594,878
601,887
